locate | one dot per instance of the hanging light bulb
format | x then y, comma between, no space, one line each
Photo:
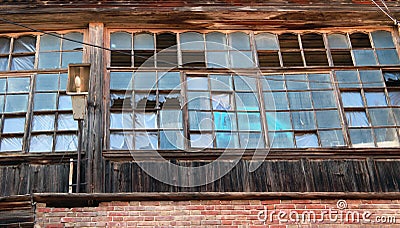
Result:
78,84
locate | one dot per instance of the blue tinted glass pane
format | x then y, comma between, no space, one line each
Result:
200,120
3,63
386,137
328,119
323,99
145,80
146,140
247,101
241,59
244,83
201,140
64,102
22,63
197,83
192,41
49,60
347,79
171,140
352,99
47,82
276,101
41,143
18,85
319,81
375,99
300,100
69,45
143,41
1,103
394,98
361,138
118,141
222,102
338,41
364,57
224,121
5,45
43,123
16,103
273,82
121,41
49,43
63,82
371,78
266,41
357,119
249,121
296,82
121,121
331,138
121,80
306,140
251,140
239,41
171,119
303,120
67,142
198,100
381,117
221,82
14,125
71,57
281,139
388,57
382,39
217,59
3,83
169,80
227,140
146,120
44,101
11,144
216,41
278,121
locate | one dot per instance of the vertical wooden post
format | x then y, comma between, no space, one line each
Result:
94,129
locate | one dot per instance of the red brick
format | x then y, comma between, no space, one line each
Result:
210,212
149,203
119,203
163,218
59,209
270,202
211,222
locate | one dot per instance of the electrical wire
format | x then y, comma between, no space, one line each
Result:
387,13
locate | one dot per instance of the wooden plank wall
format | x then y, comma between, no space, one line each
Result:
303,175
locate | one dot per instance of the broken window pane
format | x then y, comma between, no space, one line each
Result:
306,140
144,41
24,44
18,85
388,57
146,140
121,121
347,79
67,122
167,59
247,101
222,102
171,101
331,138
361,138
371,78
66,142
200,120
146,120
364,57
192,41
303,120
121,41
49,60
281,139
266,41
41,143
169,80
201,140
11,144
171,140
143,101
249,121
382,39
341,58
69,45
239,41
198,100
121,80
381,117
224,121
324,99
43,123
357,119
45,101
197,83
386,137
4,45
251,140
221,82
166,40
394,98
375,99
193,59
273,82
71,57
14,125
216,41
300,100
392,78
352,99
145,80
278,121
241,59
217,59
245,83
276,101
360,40
16,103
46,82
296,82
171,119
227,140
268,59
23,63
328,119
49,43
64,102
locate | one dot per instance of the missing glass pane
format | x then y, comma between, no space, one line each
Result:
289,41
144,58
312,41
165,40
193,59
121,58
316,58
360,40
392,78
342,58
292,59
268,59
120,101
170,101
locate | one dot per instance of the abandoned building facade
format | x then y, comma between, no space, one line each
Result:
199,113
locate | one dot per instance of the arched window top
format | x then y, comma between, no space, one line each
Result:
338,41
192,41
49,43
266,41
25,44
360,40
121,41
166,40
143,41
289,40
239,41
382,39
312,40
70,45
216,41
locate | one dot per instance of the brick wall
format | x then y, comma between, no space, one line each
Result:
223,213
